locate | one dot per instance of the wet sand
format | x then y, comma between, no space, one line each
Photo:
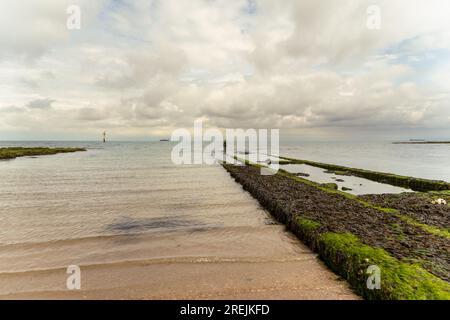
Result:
140,227
265,274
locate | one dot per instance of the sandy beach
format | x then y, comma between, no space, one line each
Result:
299,276
140,227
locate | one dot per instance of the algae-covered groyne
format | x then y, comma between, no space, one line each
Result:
351,233
14,152
416,184
421,142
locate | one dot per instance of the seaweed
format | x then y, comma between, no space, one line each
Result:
14,152
408,253
416,184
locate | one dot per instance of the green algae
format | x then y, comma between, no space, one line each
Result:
350,258
11,153
330,185
417,184
445,233
307,224
430,229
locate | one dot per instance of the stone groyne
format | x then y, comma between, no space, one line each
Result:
354,236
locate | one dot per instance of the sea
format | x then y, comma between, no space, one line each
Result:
123,209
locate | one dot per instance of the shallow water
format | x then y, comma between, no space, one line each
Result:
125,206
114,189
429,161
358,186
125,209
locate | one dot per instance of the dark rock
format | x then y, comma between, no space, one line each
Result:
285,197
301,174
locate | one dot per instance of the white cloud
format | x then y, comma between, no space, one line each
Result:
142,67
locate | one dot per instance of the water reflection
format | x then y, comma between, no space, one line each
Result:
350,184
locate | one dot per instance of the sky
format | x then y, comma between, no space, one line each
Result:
139,69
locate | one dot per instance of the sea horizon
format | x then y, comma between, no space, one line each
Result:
225,150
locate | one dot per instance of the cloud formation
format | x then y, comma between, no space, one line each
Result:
142,68
40,104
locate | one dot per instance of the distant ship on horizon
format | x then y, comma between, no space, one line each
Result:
164,140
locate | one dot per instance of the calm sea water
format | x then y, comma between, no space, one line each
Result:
124,201
429,161
115,188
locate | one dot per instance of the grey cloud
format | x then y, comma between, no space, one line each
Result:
40,104
11,109
30,83
137,68
49,75
90,114
288,69
30,30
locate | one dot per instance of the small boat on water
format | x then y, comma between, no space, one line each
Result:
164,140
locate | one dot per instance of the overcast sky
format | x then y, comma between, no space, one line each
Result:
140,68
